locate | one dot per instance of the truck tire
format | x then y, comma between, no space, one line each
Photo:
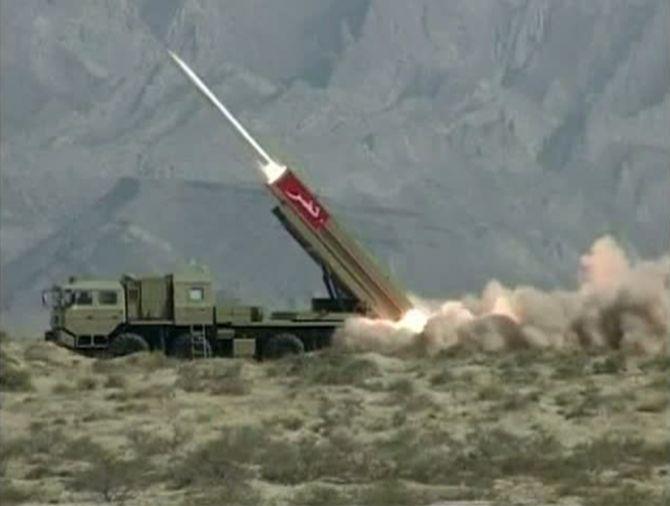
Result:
190,346
127,343
283,344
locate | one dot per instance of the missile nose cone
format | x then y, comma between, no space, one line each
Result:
177,60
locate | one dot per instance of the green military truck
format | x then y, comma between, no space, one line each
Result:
177,313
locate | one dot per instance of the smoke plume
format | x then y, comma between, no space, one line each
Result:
619,305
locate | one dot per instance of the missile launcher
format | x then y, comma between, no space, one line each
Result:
178,314
352,277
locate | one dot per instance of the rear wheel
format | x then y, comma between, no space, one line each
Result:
282,345
189,346
127,343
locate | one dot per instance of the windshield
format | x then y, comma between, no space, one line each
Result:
57,297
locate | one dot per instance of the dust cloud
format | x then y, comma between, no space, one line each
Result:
619,305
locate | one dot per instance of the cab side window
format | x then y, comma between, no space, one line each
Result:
108,298
83,298
196,294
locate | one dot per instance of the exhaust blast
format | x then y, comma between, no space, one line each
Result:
618,305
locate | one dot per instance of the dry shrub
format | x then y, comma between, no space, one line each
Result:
610,453
217,377
310,458
109,478
441,378
10,493
654,403
14,377
482,456
235,494
611,364
661,364
490,392
42,440
100,472
570,365
146,444
108,366
402,388
116,380
316,494
329,367
223,463
87,383
39,352
150,392
62,388
515,400
148,361
393,492
239,451
629,495
287,422
402,392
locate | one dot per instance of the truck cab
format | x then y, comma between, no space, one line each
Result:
84,312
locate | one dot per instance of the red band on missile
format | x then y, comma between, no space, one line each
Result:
302,200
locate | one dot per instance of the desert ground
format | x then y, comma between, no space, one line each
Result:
336,427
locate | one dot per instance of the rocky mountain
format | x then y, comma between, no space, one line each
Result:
460,140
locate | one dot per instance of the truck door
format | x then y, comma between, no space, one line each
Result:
110,309
155,294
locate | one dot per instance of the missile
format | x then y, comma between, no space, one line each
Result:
349,272
204,89
271,169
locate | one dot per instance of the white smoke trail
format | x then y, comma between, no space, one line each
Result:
619,305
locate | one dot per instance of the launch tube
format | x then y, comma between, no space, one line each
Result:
313,226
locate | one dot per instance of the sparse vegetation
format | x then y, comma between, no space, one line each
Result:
490,392
570,365
611,364
14,377
443,377
661,364
10,493
217,377
316,494
87,383
115,380
336,428
629,495
223,462
62,388
149,361
109,477
331,367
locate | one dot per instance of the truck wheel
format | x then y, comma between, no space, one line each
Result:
189,346
282,345
125,344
